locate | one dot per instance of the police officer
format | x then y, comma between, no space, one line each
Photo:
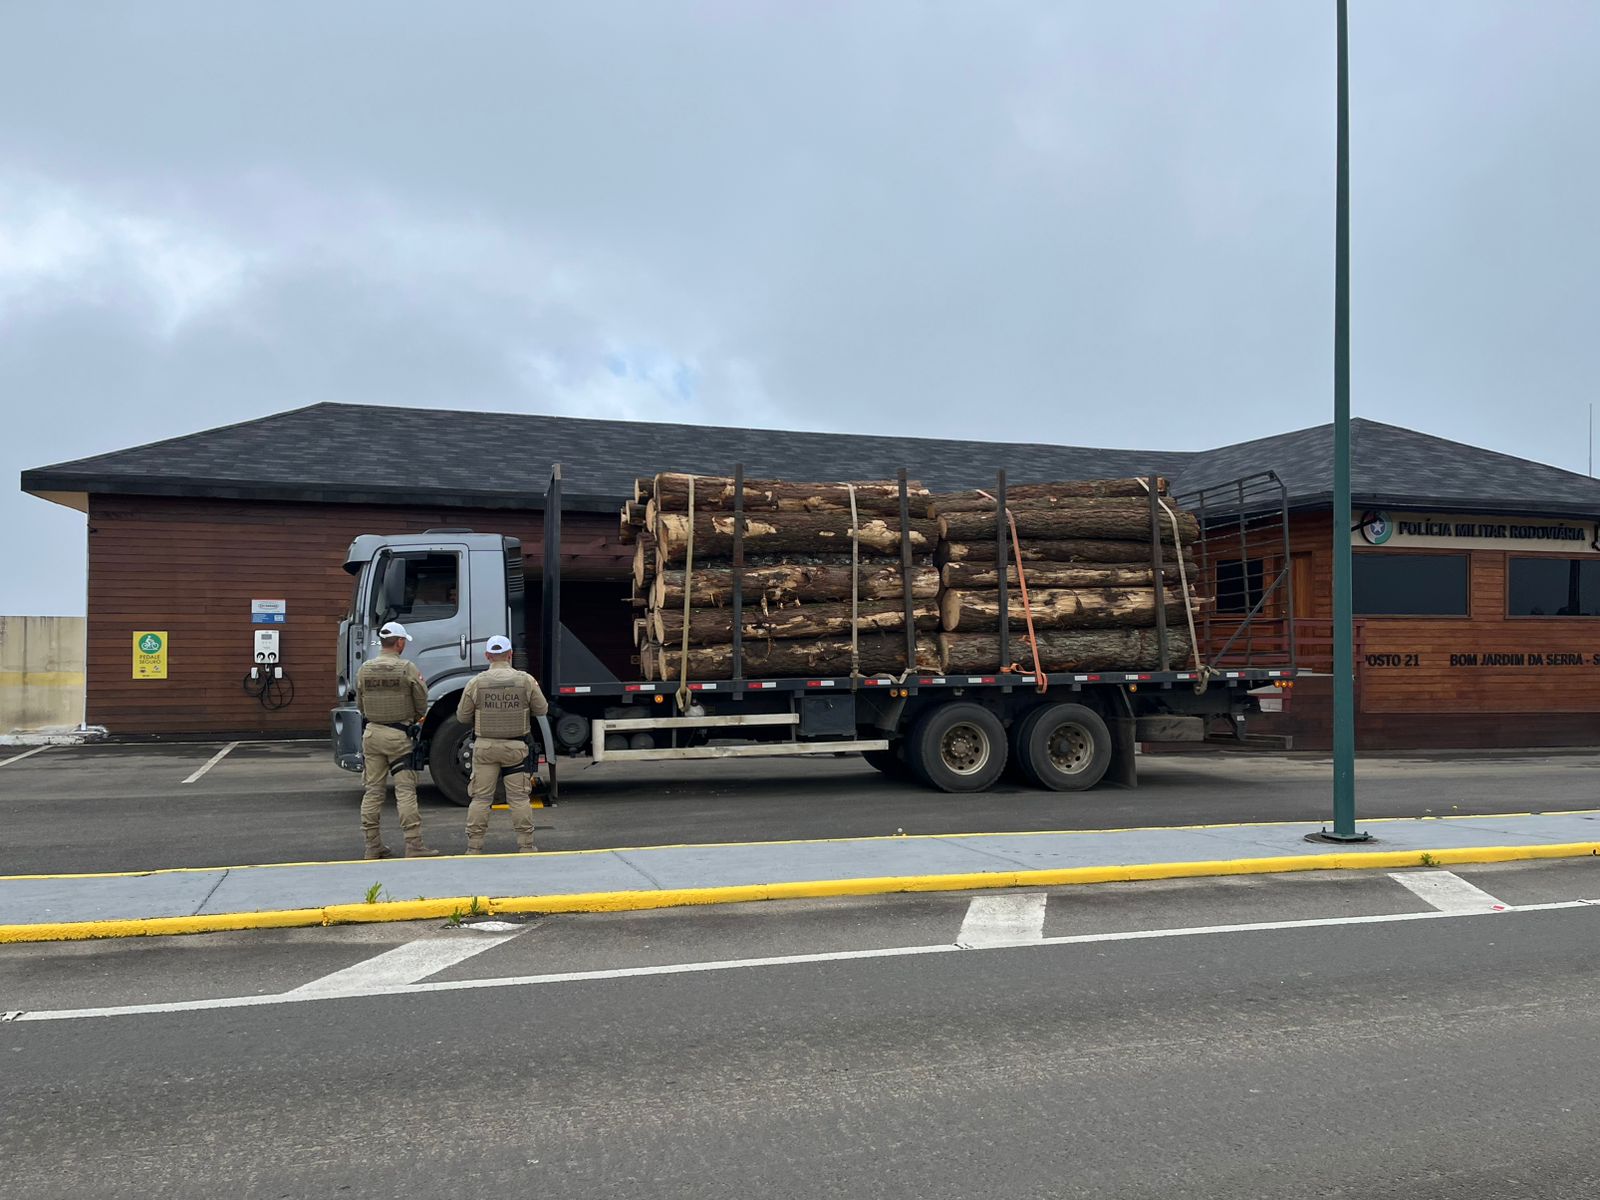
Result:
393,699
500,703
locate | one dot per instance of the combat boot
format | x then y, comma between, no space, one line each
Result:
376,848
474,845
526,846
416,849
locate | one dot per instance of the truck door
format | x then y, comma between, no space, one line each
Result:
426,588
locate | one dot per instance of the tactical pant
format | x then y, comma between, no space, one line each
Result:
384,748
488,756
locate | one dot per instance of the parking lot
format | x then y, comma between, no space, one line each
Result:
128,807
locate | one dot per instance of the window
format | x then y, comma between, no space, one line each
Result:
1239,584
426,587
1410,585
1554,587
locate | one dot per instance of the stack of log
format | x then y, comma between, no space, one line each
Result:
797,611
1086,557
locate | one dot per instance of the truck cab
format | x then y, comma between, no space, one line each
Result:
452,589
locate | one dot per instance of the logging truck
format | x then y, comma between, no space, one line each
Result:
952,727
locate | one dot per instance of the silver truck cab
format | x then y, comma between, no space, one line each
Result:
452,589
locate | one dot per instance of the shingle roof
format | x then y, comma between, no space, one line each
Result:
447,457
1394,467
444,457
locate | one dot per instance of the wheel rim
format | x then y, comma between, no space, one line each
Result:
964,748
464,754
1071,748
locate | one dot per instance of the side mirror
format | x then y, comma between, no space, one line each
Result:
392,594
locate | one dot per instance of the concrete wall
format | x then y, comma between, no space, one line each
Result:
41,673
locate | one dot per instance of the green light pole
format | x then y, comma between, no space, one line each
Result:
1344,708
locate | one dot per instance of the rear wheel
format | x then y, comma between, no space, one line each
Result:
1064,747
958,747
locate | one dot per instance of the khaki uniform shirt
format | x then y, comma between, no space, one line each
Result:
389,690
501,676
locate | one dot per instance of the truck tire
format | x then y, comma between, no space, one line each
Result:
450,759
890,762
958,747
1064,747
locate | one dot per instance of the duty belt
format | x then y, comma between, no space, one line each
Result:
390,725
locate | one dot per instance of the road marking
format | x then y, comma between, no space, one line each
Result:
1448,892
407,964
25,754
1003,920
213,761
695,968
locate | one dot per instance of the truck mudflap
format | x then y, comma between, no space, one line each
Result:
346,730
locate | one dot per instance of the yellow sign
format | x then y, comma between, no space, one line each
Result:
150,654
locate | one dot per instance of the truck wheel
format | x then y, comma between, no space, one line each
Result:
958,747
1064,747
889,761
450,759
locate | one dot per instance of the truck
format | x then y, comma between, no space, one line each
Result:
455,588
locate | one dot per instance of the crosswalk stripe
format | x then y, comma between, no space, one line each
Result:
1448,892
1003,920
411,963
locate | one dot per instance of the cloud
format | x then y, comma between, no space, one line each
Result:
1070,222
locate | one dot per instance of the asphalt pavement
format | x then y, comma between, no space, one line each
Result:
1298,1036
121,807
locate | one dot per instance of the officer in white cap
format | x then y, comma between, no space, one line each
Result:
501,703
393,700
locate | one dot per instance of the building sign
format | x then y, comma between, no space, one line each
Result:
1481,659
269,612
1453,531
150,654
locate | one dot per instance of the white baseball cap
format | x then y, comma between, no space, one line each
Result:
394,630
497,645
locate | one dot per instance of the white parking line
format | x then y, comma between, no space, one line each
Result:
1003,920
1448,892
213,761
410,963
25,754
737,964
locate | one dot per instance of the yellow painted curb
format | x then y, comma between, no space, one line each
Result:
581,902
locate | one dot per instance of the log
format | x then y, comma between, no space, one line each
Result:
627,526
1058,608
644,561
1071,550
643,490
791,582
710,626
1052,575
714,493
1066,650
1130,521
880,654
948,502
781,532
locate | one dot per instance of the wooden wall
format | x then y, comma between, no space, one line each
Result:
191,568
1416,684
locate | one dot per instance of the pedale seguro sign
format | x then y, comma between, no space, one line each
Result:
1453,531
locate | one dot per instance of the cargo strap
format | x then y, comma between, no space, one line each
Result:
1041,681
688,588
1204,671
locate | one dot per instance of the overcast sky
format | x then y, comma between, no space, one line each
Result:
1088,223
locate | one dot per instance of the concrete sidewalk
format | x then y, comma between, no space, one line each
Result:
56,907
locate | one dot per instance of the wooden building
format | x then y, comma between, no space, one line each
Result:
1477,574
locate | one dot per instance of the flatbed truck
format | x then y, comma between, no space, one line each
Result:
1064,731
